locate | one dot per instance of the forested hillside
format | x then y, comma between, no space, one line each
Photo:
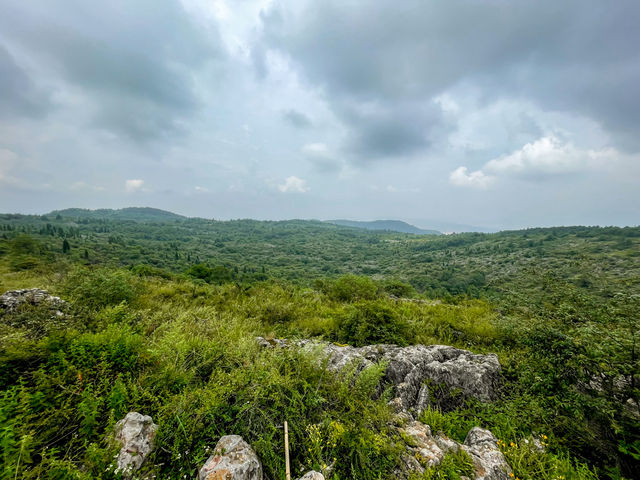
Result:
389,225
161,317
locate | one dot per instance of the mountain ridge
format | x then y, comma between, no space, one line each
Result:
385,225
139,214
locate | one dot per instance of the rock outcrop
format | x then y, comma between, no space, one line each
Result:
12,299
455,375
463,374
232,459
312,476
425,449
136,433
488,460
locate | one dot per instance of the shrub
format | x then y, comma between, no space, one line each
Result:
367,323
25,245
399,289
351,288
100,288
217,274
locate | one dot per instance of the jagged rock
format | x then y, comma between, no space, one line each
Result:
425,450
136,433
488,460
619,387
464,374
12,299
312,476
428,449
232,459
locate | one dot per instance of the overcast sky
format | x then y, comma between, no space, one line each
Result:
498,113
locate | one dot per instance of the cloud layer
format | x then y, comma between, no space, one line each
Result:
471,112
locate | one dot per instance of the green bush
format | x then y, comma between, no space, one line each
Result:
367,323
351,288
398,289
23,262
99,288
25,245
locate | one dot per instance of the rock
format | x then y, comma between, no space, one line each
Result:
487,458
12,299
425,450
312,476
272,342
136,433
429,450
463,374
232,459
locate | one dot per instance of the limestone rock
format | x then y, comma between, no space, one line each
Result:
487,458
429,450
312,476
463,375
425,450
12,299
136,433
232,459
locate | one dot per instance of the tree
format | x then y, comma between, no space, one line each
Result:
66,248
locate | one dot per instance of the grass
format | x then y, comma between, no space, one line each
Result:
184,352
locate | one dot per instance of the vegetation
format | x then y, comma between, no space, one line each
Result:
389,225
162,319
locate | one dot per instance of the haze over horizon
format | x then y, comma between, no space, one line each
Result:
499,114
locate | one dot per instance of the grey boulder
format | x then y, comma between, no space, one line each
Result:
136,433
428,450
461,374
232,459
12,299
312,476
488,460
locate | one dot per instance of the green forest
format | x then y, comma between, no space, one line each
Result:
162,312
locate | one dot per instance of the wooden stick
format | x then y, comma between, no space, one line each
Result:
286,451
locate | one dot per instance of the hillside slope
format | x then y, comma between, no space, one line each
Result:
137,214
385,225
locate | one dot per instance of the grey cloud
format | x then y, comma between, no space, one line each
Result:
141,52
388,130
18,93
574,56
296,119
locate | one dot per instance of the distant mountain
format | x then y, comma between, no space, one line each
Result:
389,225
451,227
137,214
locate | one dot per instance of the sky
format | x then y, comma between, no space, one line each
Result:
496,113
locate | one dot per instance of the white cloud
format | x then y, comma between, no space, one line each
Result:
201,189
476,179
548,156
545,158
294,184
132,186
316,150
